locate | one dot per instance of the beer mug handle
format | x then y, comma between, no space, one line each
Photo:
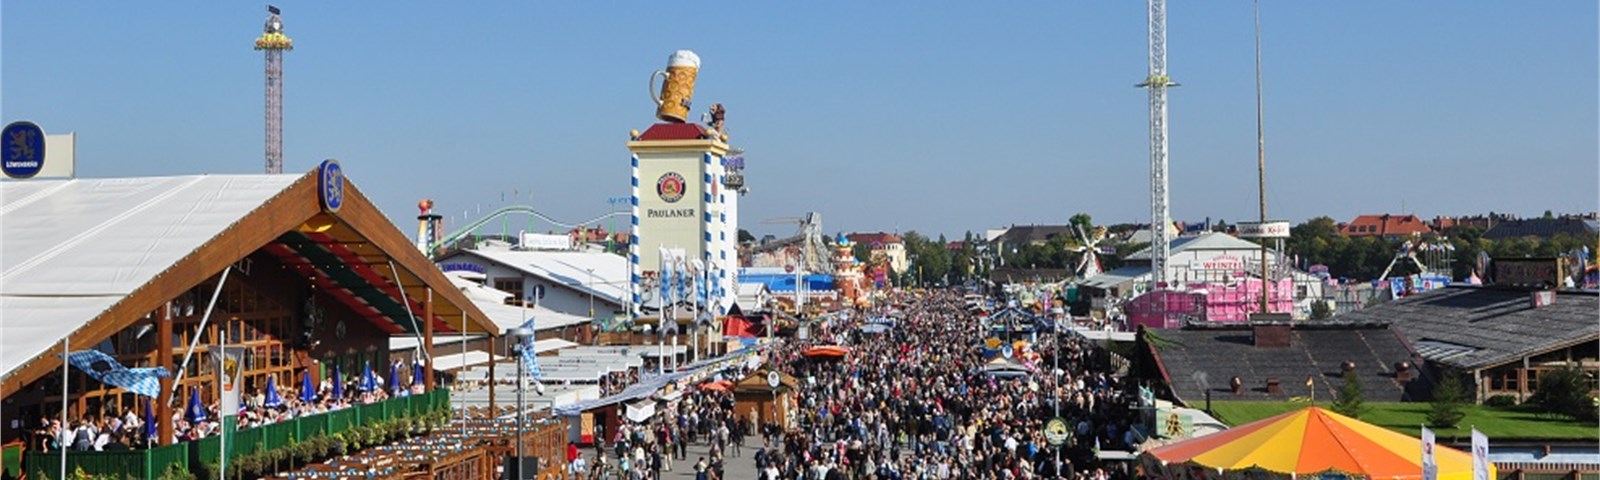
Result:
659,73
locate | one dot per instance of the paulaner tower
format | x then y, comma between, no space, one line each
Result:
274,43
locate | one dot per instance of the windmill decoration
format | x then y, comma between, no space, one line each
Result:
1088,248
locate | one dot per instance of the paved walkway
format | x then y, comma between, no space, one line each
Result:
742,467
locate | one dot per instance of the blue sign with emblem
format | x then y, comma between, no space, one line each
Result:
330,185
22,146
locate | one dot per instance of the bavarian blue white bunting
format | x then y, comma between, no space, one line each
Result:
101,367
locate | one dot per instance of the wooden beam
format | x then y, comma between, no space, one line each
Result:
427,341
364,217
164,360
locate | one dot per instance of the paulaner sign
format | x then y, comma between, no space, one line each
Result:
669,213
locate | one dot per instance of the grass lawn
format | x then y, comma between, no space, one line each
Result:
1407,418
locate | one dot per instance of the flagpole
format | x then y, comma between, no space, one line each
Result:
65,379
222,418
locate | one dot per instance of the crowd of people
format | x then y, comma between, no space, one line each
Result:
915,402
130,429
909,402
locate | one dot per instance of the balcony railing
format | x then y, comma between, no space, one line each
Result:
151,463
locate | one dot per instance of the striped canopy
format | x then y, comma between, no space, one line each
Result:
1313,441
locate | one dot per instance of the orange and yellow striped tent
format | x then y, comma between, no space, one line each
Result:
1313,441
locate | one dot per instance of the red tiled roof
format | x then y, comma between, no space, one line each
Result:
874,239
673,131
1385,224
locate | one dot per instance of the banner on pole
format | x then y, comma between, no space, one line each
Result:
1430,470
229,365
1480,456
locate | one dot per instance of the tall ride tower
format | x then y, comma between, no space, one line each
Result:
274,43
1157,82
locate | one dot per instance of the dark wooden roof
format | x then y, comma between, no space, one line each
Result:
1478,327
1316,352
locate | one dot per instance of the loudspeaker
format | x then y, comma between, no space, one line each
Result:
530,468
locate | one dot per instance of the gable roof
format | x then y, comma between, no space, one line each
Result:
1385,224
1034,233
1204,241
874,240
1541,227
1478,327
568,269
1222,353
84,258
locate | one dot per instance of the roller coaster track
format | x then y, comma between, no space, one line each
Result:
462,232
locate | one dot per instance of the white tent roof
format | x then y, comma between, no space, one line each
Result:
71,249
459,361
571,269
492,303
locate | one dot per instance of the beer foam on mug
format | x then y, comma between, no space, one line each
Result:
683,58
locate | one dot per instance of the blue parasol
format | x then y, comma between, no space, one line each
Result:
307,390
195,413
369,382
338,382
394,378
416,373
149,421
272,400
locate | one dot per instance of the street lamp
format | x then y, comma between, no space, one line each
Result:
518,335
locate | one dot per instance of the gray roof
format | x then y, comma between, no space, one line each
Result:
1116,277
1477,327
1317,352
1021,234
1541,227
1204,241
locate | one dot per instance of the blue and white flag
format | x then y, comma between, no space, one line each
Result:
530,358
101,367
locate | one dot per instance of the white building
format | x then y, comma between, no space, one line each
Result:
685,197
571,281
1206,258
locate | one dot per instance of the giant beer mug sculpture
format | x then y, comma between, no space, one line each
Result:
677,88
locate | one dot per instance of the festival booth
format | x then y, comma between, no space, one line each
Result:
755,398
1310,441
826,352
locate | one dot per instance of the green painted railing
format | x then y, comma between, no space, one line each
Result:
151,463
11,461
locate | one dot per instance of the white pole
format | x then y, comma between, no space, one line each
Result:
65,379
462,398
222,416
204,319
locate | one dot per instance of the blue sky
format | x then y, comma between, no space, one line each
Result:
933,116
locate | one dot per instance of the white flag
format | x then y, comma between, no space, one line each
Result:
1430,470
1480,456
229,364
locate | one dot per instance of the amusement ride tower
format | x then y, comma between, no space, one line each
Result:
274,43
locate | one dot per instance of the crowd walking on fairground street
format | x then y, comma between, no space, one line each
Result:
911,402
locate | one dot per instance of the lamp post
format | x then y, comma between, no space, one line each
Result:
590,287
518,335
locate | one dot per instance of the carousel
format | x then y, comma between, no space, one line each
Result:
1310,441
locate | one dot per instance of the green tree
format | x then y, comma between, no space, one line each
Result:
745,236
1449,401
1083,221
1565,391
1320,310
862,252
1351,398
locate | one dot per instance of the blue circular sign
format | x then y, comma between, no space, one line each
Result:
330,185
21,149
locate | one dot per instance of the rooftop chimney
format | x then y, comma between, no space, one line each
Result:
1270,330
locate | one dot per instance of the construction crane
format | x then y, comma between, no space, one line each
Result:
1157,82
807,242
